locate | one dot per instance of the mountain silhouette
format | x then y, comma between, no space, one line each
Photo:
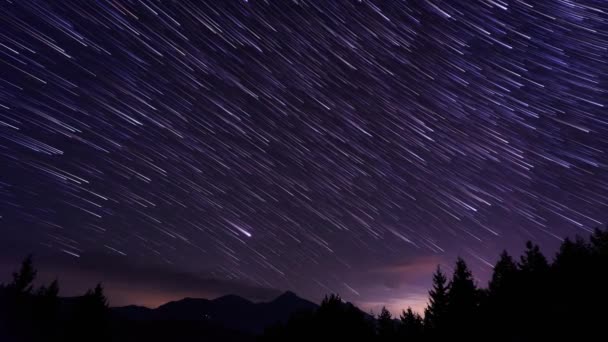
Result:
230,311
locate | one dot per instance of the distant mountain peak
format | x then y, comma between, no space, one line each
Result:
232,299
288,295
291,301
229,311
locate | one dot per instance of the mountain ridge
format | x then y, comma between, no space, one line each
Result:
229,311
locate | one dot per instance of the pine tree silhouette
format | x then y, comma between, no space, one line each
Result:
46,312
91,319
49,292
534,291
503,277
411,327
19,303
599,243
95,302
462,301
598,281
435,314
386,326
501,303
532,300
572,272
342,321
334,320
23,280
533,262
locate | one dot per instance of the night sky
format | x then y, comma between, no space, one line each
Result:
173,148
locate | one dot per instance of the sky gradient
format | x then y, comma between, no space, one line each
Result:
199,148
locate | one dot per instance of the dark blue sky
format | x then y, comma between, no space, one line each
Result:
334,146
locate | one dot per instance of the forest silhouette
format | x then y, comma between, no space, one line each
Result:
527,299
530,299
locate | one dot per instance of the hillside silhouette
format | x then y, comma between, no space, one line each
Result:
529,298
228,311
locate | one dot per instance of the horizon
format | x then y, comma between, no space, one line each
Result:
395,305
128,299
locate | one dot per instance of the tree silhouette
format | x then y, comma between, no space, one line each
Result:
46,312
533,288
19,304
503,277
532,300
533,262
598,281
411,327
501,303
599,243
95,303
91,317
386,326
23,279
334,320
342,321
572,272
435,314
462,300
49,292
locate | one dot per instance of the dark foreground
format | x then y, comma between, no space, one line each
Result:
530,299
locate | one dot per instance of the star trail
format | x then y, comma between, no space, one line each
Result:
319,146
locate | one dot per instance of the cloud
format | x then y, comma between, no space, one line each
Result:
415,297
412,271
399,285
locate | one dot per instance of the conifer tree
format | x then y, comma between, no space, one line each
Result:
533,262
386,326
436,311
503,277
462,300
91,316
499,310
411,327
24,278
533,291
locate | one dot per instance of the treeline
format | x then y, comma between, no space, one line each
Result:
530,299
30,314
